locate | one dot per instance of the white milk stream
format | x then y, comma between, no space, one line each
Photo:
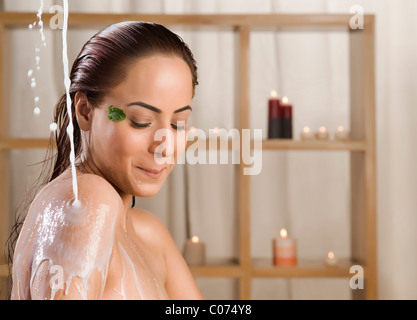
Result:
67,81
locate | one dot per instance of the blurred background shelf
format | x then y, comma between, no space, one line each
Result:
362,145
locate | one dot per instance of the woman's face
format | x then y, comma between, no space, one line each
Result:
155,95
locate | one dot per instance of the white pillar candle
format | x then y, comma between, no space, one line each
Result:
194,251
285,250
307,134
322,134
341,134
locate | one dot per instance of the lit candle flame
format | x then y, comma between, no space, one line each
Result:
192,129
306,129
322,129
284,100
216,130
195,239
283,233
330,255
274,94
340,128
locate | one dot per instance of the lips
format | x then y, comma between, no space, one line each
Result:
153,173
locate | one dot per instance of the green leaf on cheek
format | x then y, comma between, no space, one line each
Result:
116,114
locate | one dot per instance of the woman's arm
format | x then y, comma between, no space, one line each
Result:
179,282
73,262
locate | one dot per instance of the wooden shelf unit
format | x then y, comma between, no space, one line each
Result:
361,148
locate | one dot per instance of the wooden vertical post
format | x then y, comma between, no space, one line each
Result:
370,158
363,164
244,180
4,155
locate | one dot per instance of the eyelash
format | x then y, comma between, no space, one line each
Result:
146,125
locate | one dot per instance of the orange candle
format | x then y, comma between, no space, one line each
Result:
285,250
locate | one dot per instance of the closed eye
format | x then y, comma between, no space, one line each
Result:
180,128
139,125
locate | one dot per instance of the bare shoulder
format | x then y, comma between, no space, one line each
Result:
100,206
93,192
147,225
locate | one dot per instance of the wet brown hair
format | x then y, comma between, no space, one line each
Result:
100,66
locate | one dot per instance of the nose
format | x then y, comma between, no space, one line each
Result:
163,145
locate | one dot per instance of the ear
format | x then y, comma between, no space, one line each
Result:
83,111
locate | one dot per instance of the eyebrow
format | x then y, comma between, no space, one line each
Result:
154,109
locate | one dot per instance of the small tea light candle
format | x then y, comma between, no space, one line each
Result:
194,251
341,134
331,260
307,134
216,130
284,250
322,134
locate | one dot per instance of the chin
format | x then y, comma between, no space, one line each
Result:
147,191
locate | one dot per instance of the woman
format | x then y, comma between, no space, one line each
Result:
130,81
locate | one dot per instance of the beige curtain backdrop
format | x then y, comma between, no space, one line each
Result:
305,192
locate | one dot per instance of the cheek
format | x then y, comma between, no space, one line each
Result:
180,144
127,143
116,142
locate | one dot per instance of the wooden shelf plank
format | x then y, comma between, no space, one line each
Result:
229,268
267,144
283,144
264,268
221,271
10,18
18,143
4,270
331,145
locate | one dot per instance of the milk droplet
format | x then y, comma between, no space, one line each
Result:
53,127
30,26
33,84
76,204
37,59
30,72
36,99
36,111
70,130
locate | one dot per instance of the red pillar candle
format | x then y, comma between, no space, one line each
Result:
285,114
274,128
